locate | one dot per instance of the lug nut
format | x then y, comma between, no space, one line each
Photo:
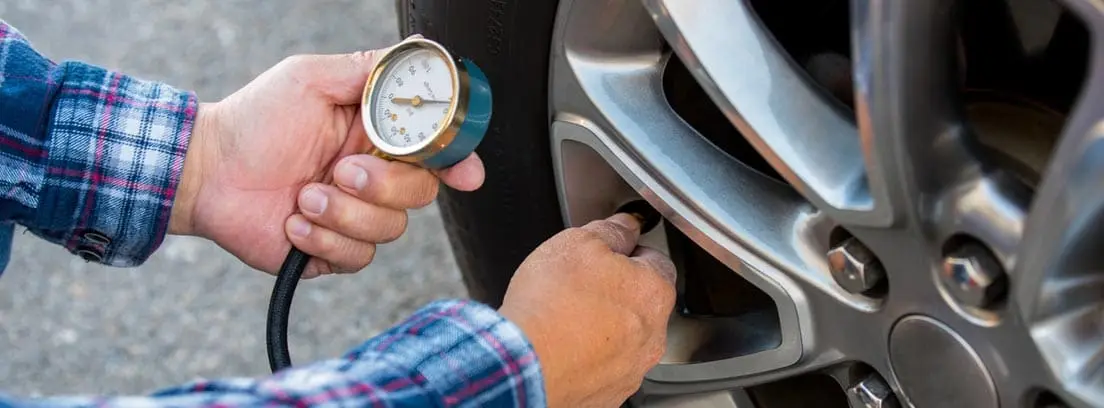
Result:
973,276
855,268
872,392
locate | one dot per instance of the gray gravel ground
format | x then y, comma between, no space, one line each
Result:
68,327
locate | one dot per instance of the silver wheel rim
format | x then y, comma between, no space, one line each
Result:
615,138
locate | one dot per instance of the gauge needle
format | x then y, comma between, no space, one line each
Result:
416,101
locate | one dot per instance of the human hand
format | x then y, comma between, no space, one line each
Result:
258,172
595,307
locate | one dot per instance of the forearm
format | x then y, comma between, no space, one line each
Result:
90,159
449,353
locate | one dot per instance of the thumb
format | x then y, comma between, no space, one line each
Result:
619,232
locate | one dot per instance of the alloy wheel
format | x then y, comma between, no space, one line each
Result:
882,221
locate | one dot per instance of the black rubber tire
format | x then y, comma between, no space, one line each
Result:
493,229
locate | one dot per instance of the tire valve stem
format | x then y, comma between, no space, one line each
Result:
649,217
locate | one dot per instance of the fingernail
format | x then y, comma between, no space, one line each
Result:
351,176
313,201
300,227
625,220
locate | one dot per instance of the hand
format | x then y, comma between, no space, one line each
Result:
595,307
281,161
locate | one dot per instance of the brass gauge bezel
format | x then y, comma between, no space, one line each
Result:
454,119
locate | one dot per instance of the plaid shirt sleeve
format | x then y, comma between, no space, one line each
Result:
451,353
89,158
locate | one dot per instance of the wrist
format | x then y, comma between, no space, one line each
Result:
182,219
533,331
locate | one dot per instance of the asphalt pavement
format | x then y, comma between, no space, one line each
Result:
71,327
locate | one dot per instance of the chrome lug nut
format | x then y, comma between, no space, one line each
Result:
973,276
872,392
855,268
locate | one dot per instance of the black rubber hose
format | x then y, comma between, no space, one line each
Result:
279,308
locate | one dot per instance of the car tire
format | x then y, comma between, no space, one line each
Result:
493,229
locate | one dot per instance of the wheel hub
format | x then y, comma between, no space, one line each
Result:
936,367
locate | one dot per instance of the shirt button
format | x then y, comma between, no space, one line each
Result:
97,238
89,254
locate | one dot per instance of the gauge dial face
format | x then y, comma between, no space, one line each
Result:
413,98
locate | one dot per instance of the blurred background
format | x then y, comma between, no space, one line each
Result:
70,327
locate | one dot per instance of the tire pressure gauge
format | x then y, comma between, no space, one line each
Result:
422,105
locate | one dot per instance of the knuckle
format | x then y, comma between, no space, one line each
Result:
600,225
580,235
343,215
428,193
378,192
632,325
662,263
364,56
616,234
629,386
655,354
663,303
655,285
421,188
354,256
387,189
324,242
295,61
657,278
659,299
315,269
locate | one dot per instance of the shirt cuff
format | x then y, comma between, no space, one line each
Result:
464,352
114,158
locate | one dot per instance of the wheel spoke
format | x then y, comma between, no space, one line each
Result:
910,120
1061,227
1059,285
803,134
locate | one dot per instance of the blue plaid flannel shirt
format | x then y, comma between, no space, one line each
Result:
90,160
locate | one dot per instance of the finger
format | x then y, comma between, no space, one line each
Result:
657,292
620,232
347,215
385,183
342,252
657,262
467,175
321,267
318,267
